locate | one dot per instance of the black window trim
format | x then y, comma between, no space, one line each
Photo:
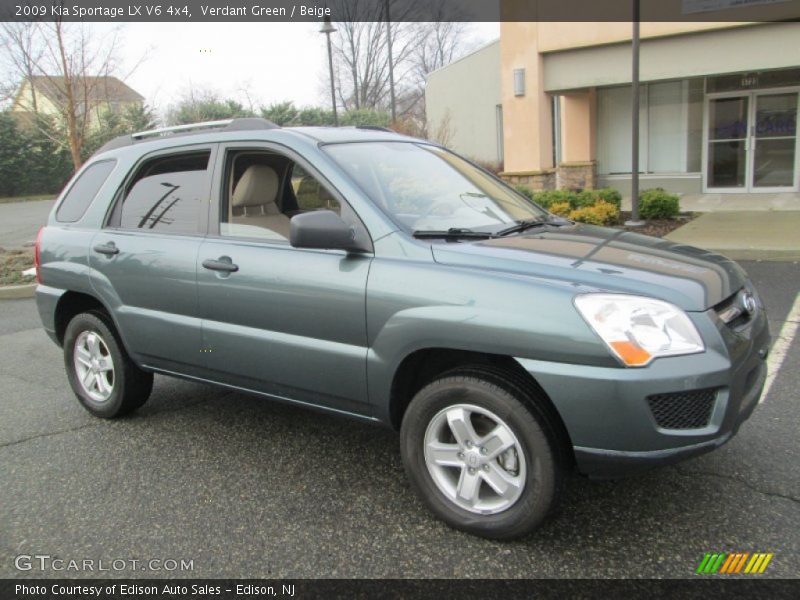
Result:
202,215
218,192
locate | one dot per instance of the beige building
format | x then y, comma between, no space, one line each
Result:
46,95
463,105
718,105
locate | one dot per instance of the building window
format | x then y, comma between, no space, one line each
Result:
670,128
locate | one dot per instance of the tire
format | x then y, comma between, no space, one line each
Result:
533,470
91,345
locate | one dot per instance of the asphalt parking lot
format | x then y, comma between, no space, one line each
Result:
19,221
248,488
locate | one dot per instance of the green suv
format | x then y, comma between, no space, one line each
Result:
385,278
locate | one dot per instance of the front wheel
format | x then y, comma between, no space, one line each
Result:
104,378
481,455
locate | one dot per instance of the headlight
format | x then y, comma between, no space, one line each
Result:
637,329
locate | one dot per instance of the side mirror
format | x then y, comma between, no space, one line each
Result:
322,229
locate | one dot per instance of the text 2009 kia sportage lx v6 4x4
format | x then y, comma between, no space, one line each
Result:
387,279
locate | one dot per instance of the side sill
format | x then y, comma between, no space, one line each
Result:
284,399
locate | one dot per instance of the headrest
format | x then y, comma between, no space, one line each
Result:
257,187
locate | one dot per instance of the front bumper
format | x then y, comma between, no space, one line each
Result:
607,415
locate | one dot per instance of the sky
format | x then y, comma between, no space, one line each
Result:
258,63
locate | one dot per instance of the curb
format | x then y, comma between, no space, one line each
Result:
16,292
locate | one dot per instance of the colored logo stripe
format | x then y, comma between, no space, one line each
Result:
733,563
737,562
758,563
711,563
727,564
703,563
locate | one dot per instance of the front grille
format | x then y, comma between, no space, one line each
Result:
683,410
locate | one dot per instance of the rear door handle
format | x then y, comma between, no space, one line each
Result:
109,249
223,263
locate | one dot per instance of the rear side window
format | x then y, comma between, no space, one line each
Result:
83,191
166,194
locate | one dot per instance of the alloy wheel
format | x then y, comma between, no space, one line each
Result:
94,366
475,459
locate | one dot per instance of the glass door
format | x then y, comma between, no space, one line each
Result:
728,125
774,144
752,142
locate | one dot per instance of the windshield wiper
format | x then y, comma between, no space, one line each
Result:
522,226
452,233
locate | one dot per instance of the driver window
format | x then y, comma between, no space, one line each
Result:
310,193
264,191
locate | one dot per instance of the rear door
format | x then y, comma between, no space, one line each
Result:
144,261
276,319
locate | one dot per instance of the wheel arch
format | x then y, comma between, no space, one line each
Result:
73,303
422,366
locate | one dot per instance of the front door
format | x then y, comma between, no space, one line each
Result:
287,322
752,142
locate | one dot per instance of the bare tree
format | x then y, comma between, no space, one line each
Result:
72,63
443,131
441,40
361,54
437,44
440,44
21,54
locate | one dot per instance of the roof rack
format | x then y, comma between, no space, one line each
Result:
178,128
227,124
375,128
242,124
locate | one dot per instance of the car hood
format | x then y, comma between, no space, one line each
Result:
598,258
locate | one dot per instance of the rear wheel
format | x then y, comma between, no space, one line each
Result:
481,454
103,377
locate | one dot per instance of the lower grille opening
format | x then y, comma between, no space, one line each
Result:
683,410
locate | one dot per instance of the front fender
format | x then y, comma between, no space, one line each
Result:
438,307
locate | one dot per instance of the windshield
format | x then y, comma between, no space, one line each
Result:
425,188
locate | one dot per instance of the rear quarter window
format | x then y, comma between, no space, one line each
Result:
83,191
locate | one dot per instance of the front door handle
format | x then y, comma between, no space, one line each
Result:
223,263
109,249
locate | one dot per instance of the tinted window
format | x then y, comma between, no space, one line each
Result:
83,191
166,194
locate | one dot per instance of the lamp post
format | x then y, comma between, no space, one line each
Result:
635,221
328,29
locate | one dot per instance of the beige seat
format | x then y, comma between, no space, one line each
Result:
254,201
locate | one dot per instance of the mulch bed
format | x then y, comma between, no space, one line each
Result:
12,263
655,227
